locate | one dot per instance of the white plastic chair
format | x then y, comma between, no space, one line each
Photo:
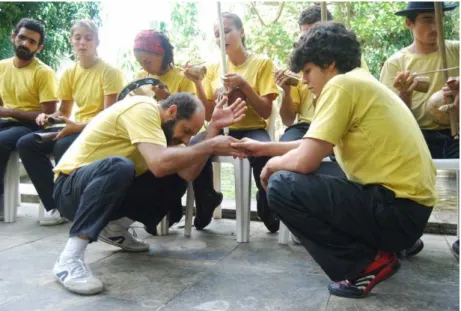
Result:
440,164
12,195
242,173
11,188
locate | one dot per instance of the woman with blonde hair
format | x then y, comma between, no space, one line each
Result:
91,84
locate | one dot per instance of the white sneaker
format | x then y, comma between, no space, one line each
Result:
295,240
77,277
52,218
117,235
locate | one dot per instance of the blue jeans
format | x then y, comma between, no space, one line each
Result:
10,132
107,190
297,132
36,161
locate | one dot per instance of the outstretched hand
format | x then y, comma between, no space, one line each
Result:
250,146
224,117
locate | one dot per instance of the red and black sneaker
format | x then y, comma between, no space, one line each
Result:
379,270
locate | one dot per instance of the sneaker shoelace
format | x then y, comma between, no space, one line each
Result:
79,269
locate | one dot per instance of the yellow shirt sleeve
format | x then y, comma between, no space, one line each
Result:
266,80
142,126
187,86
47,86
208,80
65,86
333,114
113,81
388,72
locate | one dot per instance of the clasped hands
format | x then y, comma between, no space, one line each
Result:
238,148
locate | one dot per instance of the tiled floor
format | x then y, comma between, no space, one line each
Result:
209,271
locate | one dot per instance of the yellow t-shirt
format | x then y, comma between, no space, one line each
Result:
257,70
115,132
404,60
303,99
376,138
175,81
25,88
87,87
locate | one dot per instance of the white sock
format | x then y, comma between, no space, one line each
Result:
75,249
125,222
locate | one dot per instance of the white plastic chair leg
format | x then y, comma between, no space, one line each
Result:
284,234
457,200
217,214
41,211
189,210
242,171
11,188
162,227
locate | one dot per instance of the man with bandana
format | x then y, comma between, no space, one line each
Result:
28,87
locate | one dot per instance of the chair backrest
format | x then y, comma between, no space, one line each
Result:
446,164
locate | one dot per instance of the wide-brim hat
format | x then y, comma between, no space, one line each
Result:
423,7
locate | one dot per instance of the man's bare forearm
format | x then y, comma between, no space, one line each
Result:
23,116
287,110
406,97
273,149
193,171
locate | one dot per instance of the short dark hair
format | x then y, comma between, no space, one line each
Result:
33,25
187,105
412,16
236,21
312,15
325,43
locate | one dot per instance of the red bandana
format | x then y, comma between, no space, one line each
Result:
149,41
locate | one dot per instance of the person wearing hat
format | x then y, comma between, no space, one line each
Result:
421,56
154,53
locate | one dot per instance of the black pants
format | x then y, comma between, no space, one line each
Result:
203,184
107,190
297,132
10,132
36,161
441,144
343,224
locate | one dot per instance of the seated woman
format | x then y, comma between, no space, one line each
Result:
154,53
250,77
93,85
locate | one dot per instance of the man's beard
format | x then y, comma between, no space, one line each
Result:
168,129
23,53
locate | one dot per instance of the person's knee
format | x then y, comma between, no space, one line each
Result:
278,187
26,144
122,167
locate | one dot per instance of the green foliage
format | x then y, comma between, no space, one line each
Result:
57,18
380,31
